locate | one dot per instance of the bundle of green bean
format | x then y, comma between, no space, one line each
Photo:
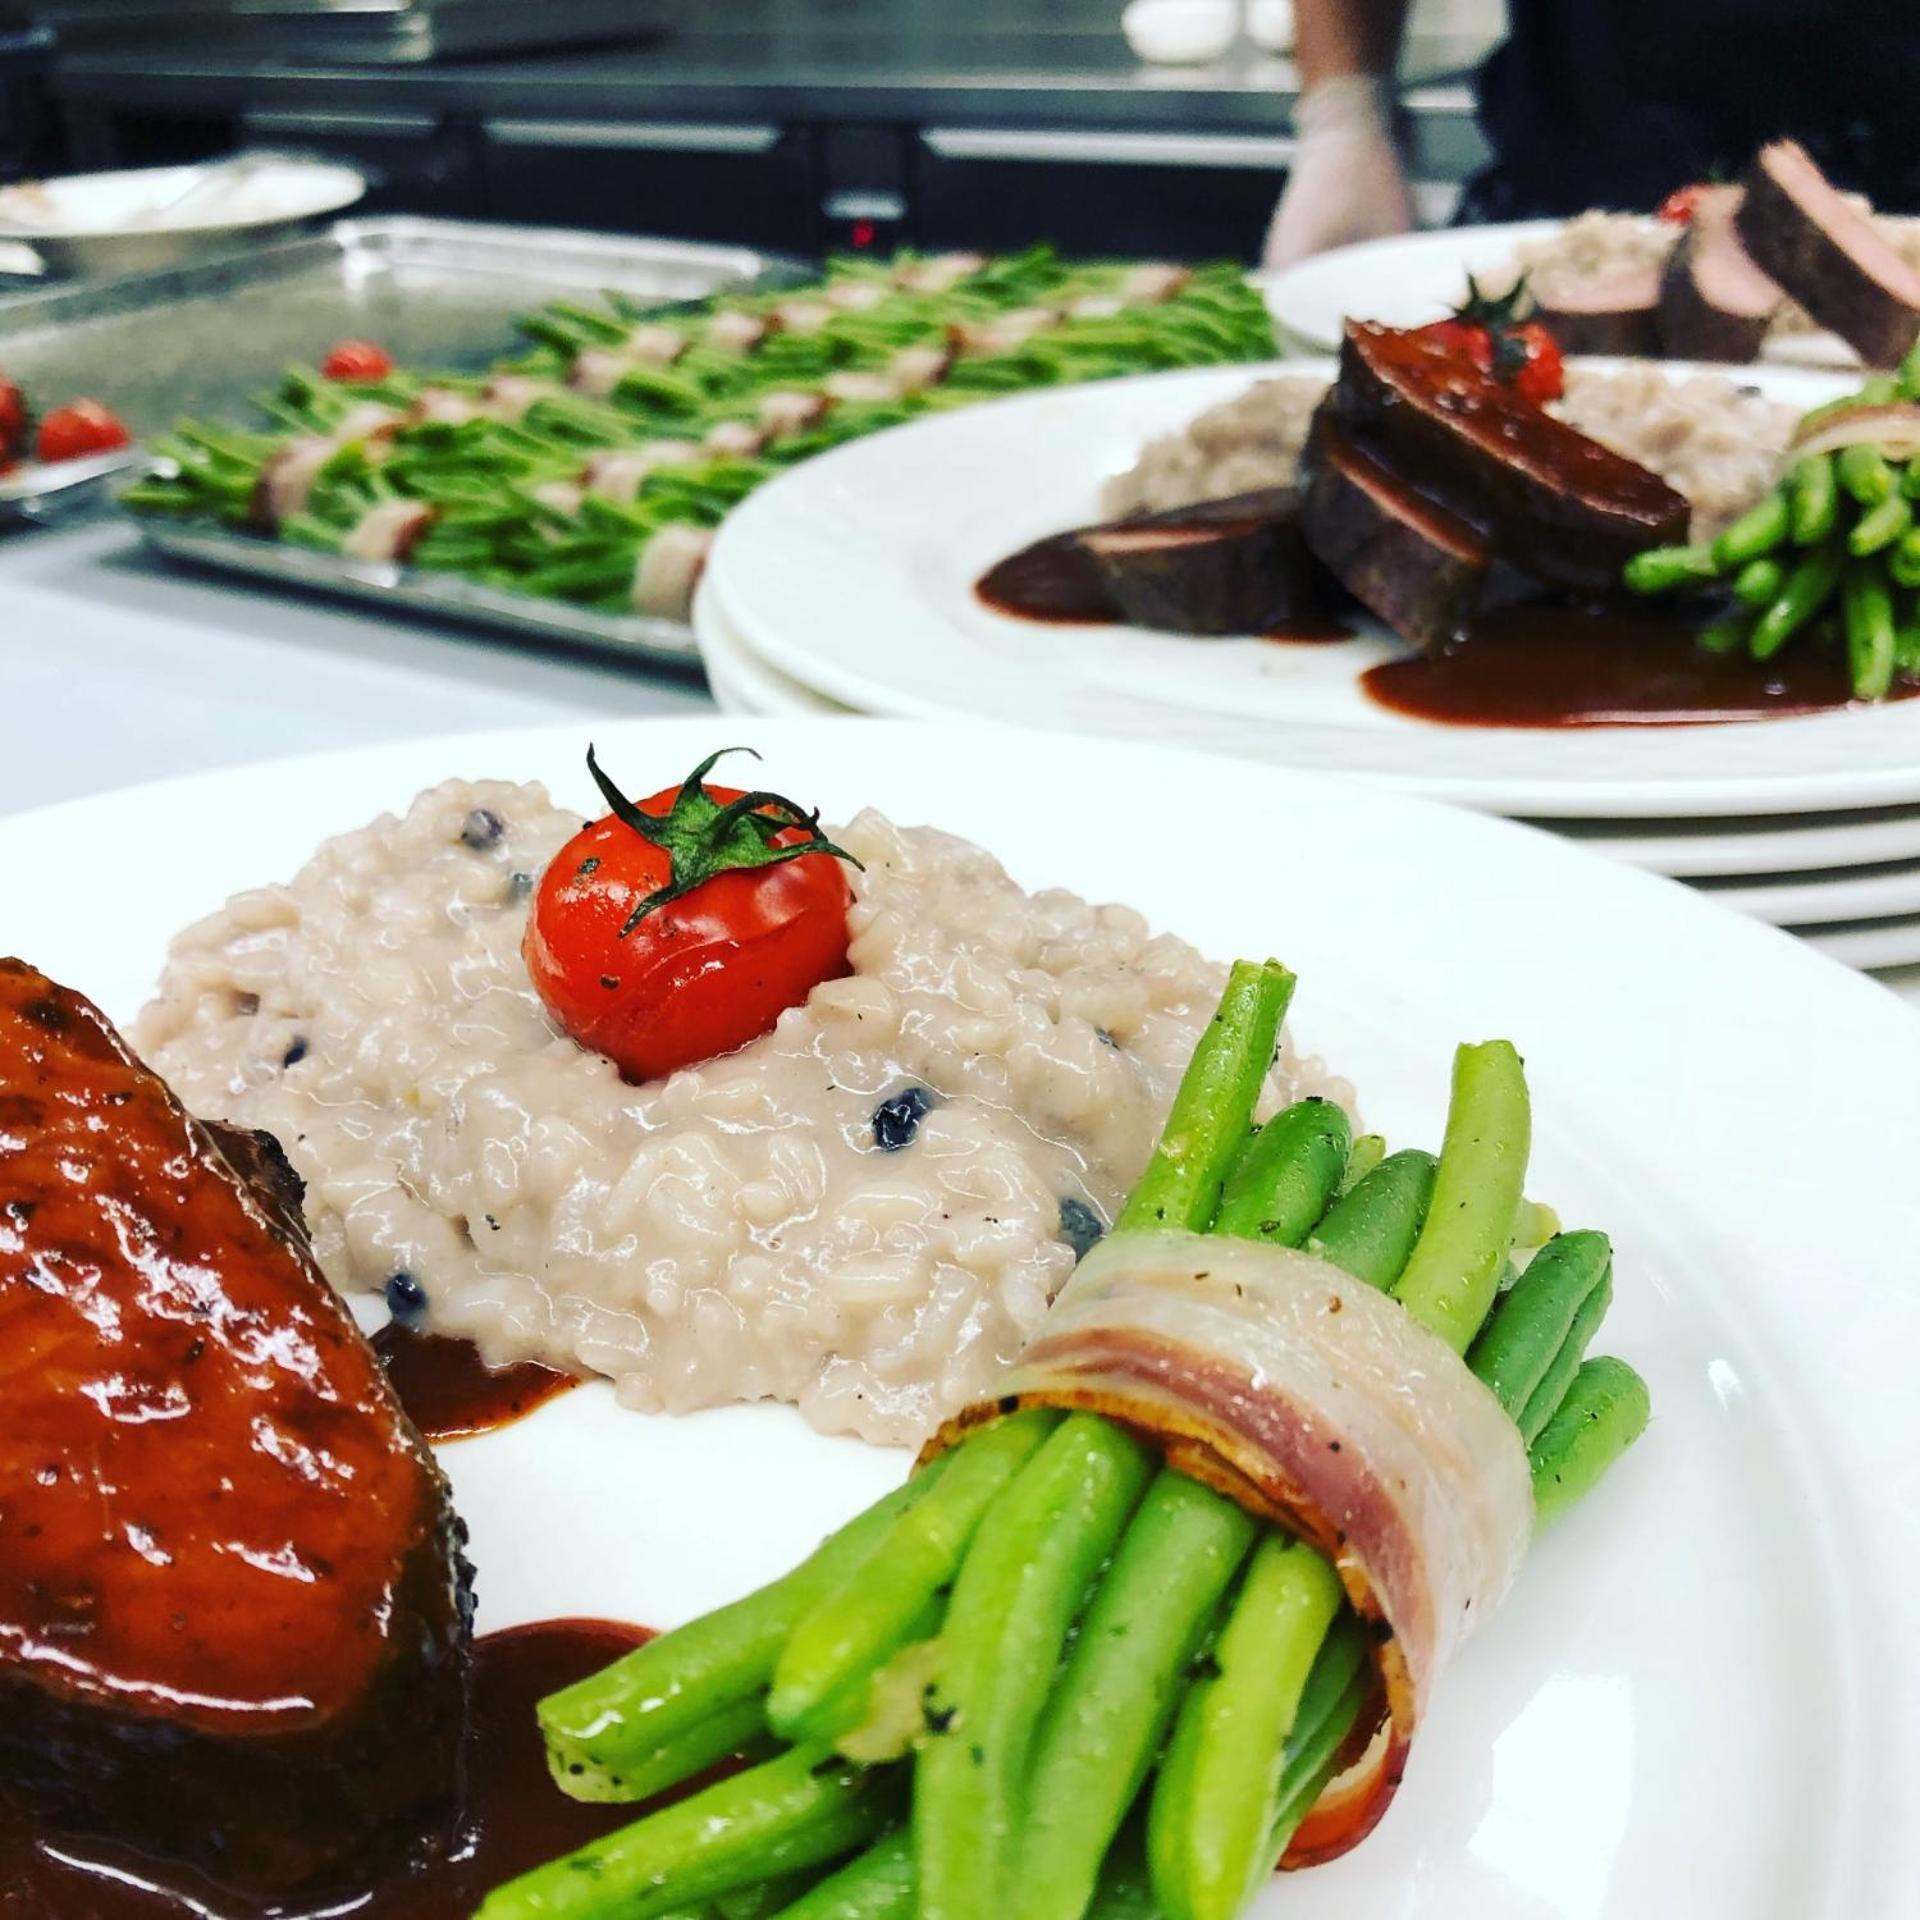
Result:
1050,1676
1832,552
744,385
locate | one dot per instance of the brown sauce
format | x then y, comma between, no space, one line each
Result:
1309,633
1052,580
450,1393
1539,666
514,1816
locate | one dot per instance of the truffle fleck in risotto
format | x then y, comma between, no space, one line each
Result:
865,1212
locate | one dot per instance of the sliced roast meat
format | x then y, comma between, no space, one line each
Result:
233,1608
1715,303
1828,254
1235,565
1619,314
1550,502
1405,558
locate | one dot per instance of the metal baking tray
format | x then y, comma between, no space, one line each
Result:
204,337
444,596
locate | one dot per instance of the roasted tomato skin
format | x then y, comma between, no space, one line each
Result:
77,431
357,360
699,976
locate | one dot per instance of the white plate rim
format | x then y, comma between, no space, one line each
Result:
1408,278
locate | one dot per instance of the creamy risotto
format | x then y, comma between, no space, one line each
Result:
864,1213
1718,440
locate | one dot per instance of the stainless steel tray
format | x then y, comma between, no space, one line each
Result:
629,637
203,337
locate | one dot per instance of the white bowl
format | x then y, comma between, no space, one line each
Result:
1270,25
1180,32
112,223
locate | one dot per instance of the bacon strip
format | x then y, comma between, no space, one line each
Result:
1320,1405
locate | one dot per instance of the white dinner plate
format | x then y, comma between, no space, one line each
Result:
1866,943
1878,892
854,575
1769,843
1702,1696
739,680
1411,278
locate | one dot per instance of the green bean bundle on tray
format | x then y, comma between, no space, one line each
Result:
594,467
1164,1613
1832,553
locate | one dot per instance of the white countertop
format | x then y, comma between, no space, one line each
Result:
130,669
115,668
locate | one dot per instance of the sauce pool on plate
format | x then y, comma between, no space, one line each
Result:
450,1393
1546,666
513,1819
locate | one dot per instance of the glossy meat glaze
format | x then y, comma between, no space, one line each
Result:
234,1614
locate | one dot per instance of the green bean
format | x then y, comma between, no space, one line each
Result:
875,1885
1530,1324
803,1809
1370,1231
1123,1680
1454,1269
1880,527
1904,561
1910,479
1218,1792
1730,634
1336,1691
672,1685
1213,1107
1908,373
1813,498
1759,530
1604,1413
1368,1151
1024,1580
1286,1174
1906,637
1663,569
1809,587
761,1899
1864,473
1759,582
1544,1401
861,1621
1866,601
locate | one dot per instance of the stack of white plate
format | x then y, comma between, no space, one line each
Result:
847,585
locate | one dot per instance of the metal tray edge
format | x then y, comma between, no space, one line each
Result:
638,637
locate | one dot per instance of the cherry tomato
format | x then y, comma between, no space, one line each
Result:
1681,204
1492,332
13,418
664,947
74,432
1540,374
357,360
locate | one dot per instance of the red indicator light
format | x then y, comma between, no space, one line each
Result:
863,231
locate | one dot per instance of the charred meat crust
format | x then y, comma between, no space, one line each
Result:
1232,565
1551,502
1828,254
234,1610
1620,315
1715,303
1407,560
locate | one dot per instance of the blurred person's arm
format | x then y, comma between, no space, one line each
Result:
1348,181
